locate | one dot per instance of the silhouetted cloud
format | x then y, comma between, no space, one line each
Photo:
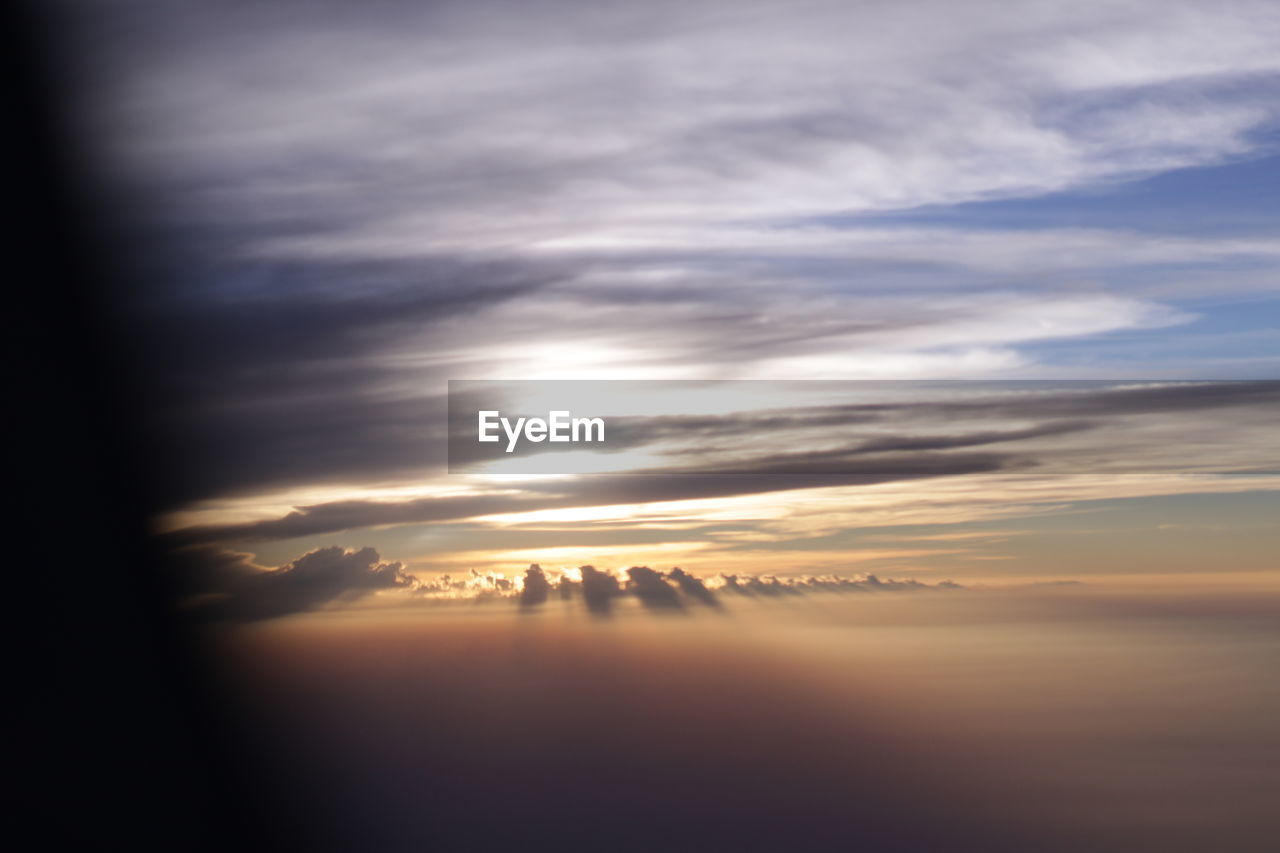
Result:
205,573
771,585
652,589
599,588
693,587
236,589
536,587
752,585
222,584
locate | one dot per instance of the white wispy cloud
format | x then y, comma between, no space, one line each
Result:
555,189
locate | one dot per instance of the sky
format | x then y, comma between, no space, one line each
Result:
331,210
938,343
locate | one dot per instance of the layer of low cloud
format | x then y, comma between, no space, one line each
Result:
674,591
219,584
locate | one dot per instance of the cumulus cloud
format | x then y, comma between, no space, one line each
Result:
693,587
752,585
536,587
674,590
652,589
770,585
599,589
475,586
230,586
220,584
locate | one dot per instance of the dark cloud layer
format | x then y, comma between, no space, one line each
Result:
903,456
782,473
1060,407
973,439
1064,407
347,515
1146,398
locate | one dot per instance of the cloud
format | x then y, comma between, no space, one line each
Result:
770,474
652,589
215,583
536,587
772,586
234,588
671,591
599,588
347,515
687,113
1188,413
211,573
975,439
693,587
751,585
280,370
475,586
330,214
